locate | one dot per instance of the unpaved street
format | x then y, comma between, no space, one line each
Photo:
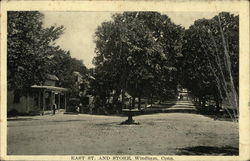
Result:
174,133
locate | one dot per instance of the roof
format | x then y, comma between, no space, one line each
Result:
91,77
77,73
88,76
179,55
52,77
50,88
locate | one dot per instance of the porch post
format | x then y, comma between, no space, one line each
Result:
53,95
51,100
39,100
59,103
43,100
27,103
65,101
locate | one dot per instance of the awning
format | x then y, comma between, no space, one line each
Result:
52,77
50,88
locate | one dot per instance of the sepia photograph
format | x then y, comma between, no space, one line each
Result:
122,83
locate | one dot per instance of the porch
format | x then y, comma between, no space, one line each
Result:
49,96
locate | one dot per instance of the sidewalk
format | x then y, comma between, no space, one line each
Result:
178,106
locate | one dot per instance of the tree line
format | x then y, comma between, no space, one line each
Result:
143,54
211,66
147,55
32,53
135,53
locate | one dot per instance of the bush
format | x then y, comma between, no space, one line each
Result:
12,112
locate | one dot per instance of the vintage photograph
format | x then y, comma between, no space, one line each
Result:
122,83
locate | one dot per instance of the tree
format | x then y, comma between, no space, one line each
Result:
63,66
29,48
136,53
211,67
32,54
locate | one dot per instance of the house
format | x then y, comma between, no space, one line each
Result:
40,98
82,84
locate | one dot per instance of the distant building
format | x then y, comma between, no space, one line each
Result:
183,94
82,84
40,98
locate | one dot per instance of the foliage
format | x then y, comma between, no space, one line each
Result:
32,53
29,48
211,66
136,53
63,65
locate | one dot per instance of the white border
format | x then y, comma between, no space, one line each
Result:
242,7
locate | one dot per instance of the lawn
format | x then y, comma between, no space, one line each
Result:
157,134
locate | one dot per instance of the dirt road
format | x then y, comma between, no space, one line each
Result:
173,133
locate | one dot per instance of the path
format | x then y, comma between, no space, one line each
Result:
168,107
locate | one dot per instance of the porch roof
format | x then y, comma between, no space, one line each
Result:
50,88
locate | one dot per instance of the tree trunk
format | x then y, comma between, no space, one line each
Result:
217,105
116,96
199,100
139,102
133,102
123,98
151,100
203,102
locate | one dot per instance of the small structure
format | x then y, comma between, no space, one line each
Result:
183,94
46,98
130,112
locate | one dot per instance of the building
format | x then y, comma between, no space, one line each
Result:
40,98
81,98
183,94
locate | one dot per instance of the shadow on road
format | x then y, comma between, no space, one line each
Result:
218,117
76,120
20,119
168,111
208,150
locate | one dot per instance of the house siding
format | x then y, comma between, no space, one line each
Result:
25,105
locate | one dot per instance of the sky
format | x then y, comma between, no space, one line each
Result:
78,36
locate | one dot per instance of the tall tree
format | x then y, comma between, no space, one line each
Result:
63,66
136,51
29,48
211,66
